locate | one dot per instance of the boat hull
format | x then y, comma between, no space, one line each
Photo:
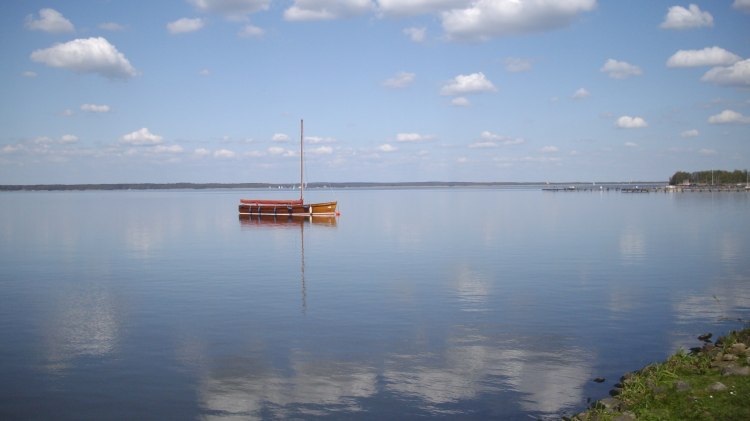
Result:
280,209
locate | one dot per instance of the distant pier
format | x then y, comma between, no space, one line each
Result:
647,189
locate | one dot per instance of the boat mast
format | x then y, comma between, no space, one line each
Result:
301,154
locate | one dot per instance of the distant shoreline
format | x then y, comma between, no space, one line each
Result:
290,186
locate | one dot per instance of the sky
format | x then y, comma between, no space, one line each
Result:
116,91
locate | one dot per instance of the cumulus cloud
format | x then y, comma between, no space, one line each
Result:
69,138
280,137
232,9
743,5
94,108
50,20
483,144
417,7
485,19
185,25
729,117
679,17
401,80
387,147
550,149
709,56
460,101
416,34
690,133
251,31
413,137
488,136
628,122
224,153
201,152
141,137
468,84
620,69
168,149
317,139
517,65
737,74
581,93
310,10
631,144
89,55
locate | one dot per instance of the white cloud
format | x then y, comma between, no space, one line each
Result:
224,153
416,34
620,69
517,65
204,72
628,122
505,140
690,133
251,31
320,150
201,152
69,138
233,9
277,150
401,80
141,137
417,7
90,55
468,84
67,113
483,145
309,10
280,137
743,5
550,149
185,25
485,19
581,93
707,152
737,74
317,139
729,117
631,144
168,149
413,137
709,56
460,101
28,73
387,147
94,108
50,20
679,17
111,26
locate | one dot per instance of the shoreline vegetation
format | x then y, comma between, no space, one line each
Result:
711,382
291,186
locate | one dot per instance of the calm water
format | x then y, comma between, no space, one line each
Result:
446,303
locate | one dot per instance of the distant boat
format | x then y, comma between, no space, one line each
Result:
289,207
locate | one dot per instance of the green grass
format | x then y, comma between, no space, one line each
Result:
652,392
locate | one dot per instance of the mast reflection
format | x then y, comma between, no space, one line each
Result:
290,221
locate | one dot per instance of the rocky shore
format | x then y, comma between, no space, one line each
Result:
708,382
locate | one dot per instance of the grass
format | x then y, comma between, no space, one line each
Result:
680,388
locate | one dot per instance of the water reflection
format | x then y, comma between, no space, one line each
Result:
632,245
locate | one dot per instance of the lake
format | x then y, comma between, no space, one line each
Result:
469,303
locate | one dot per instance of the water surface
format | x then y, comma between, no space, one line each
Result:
441,303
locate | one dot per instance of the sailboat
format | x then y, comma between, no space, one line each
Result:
289,207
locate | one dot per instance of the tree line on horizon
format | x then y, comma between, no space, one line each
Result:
709,177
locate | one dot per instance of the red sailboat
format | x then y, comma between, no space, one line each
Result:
289,207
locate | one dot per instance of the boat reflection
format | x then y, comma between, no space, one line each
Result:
286,220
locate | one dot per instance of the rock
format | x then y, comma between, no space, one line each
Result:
738,349
733,370
599,380
615,391
625,416
609,404
705,337
717,387
682,386
729,357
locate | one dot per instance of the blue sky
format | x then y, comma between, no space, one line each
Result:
114,91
